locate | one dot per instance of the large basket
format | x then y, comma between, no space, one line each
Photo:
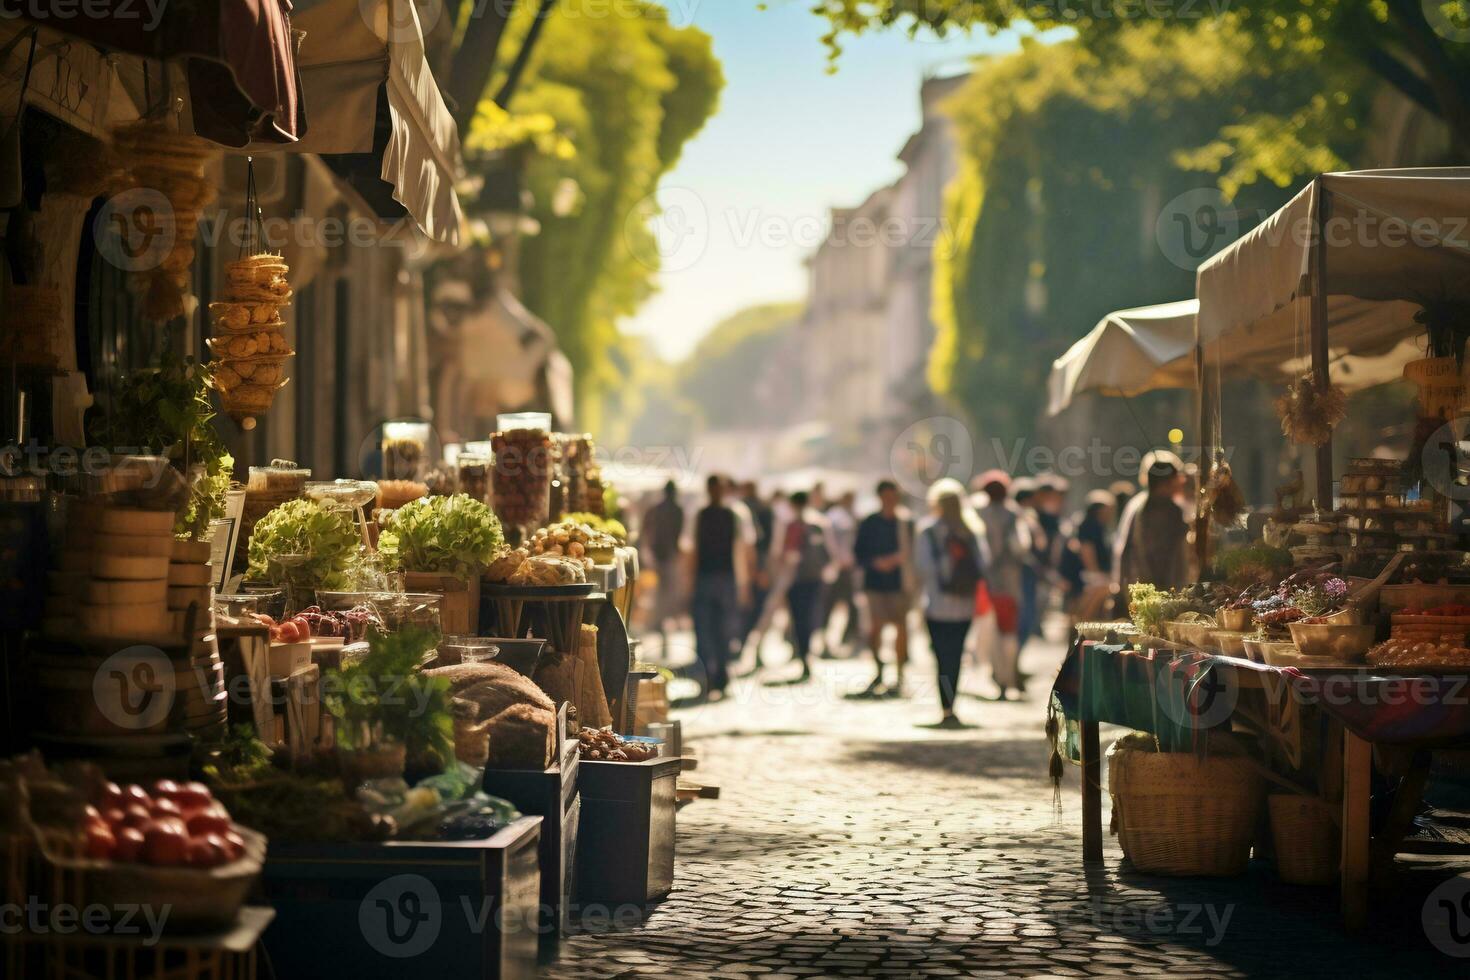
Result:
1305,834
1183,814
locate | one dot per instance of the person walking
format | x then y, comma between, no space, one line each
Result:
806,552
883,552
763,521
663,528
1009,540
1152,543
1087,562
842,589
719,564
950,560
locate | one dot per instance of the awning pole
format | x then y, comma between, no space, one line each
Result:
1207,438
1320,353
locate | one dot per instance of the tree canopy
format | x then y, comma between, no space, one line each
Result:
623,94
1067,156
1417,46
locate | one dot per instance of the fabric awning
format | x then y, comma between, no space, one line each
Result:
1127,353
238,57
1392,240
1152,347
377,113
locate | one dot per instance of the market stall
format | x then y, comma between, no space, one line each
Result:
1327,655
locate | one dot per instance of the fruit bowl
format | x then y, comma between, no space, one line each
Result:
197,899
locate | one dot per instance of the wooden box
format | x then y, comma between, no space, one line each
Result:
463,909
625,849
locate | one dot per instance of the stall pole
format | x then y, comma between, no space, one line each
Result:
1092,837
1357,772
1320,352
1207,438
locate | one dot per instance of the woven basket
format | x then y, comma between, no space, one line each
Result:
1182,814
1306,839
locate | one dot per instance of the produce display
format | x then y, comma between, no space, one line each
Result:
1410,653
167,824
503,719
520,567
455,535
393,494
600,745
303,541
573,540
1150,607
522,481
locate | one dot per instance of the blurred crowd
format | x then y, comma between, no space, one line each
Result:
980,566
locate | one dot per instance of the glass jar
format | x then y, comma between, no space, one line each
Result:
405,448
522,478
474,476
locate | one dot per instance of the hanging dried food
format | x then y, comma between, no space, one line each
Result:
158,159
1224,499
1309,412
249,345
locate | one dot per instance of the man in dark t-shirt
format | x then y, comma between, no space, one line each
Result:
883,551
719,564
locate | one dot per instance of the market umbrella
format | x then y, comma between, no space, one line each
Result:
1127,353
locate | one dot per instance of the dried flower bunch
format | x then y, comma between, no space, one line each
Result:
1309,413
1223,498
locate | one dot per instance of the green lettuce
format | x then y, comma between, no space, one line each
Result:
455,535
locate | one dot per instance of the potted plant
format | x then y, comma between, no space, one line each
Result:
442,544
388,715
303,546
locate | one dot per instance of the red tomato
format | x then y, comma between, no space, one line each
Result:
90,812
133,793
291,632
236,844
226,844
303,626
205,852
165,789
193,796
100,840
213,820
111,795
165,807
165,842
137,816
115,816
129,844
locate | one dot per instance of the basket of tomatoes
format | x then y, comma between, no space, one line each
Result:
169,846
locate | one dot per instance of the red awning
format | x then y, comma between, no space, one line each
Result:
238,54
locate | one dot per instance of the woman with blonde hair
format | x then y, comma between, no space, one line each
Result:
950,559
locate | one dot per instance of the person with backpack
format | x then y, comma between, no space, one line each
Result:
950,557
806,552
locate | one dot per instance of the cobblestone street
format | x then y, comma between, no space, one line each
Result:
850,841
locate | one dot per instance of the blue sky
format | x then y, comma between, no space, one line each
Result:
749,198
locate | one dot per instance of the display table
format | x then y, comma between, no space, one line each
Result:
462,909
231,953
1177,695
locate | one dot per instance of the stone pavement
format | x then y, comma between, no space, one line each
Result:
850,841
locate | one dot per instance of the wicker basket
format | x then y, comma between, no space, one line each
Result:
1305,834
1182,814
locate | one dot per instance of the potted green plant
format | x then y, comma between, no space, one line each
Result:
388,715
442,544
303,546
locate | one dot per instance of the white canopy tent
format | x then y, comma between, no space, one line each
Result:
1337,273
1153,347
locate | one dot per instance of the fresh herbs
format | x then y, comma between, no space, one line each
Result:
1260,562
166,410
384,698
319,544
455,535
1151,607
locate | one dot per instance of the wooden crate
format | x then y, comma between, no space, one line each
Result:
625,851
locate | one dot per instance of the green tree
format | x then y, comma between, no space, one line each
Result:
1066,157
627,92
1416,46
718,375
